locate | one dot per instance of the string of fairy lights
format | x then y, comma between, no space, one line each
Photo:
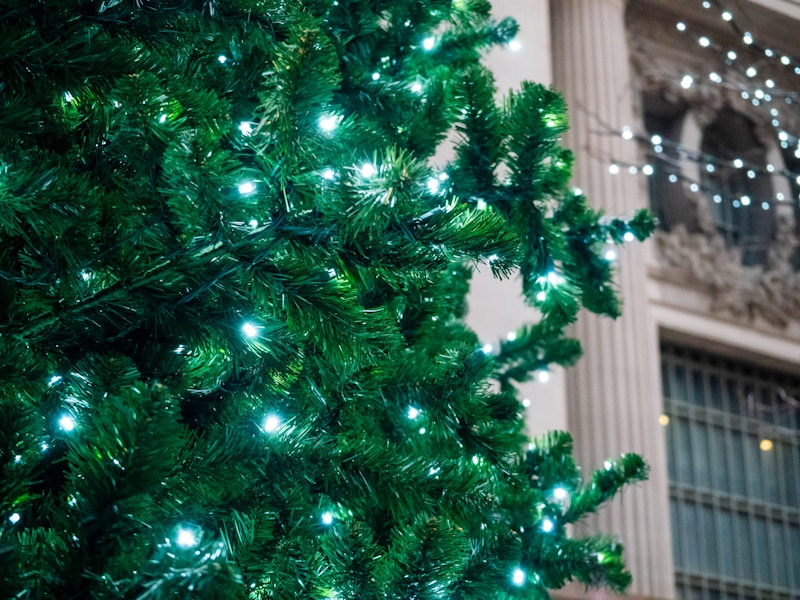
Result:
188,536
751,70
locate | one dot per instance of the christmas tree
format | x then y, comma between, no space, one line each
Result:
233,361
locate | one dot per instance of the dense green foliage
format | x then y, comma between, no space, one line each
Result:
233,362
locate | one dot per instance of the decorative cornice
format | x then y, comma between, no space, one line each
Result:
701,260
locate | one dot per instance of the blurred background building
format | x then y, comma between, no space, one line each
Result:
690,108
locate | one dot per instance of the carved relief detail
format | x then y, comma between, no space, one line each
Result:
701,260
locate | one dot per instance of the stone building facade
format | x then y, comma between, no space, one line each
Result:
690,108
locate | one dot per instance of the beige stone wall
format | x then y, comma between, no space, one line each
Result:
497,308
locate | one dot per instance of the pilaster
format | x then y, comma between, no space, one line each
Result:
614,393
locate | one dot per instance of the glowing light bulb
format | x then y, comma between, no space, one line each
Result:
680,26
328,174
727,16
526,402
548,525
271,423
628,236
67,422
738,163
610,254
428,43
541,296
747,38
518,577
514,46
543,376
376,76
613,169
785,60
554,278
367,170
68,97
765,205
246,128
511,336
433,185
14,519
475,459
715,77
248,187
752,72
704,41
253,223
731,55
481,204
222,59
186,538
250,330
416,87
687,81
663,420
327,518
560,493
766,445
328,123
487,349
413,413
608,465
54,380
656,140
627,134
162,118
647,170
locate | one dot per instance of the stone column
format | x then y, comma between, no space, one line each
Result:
614,393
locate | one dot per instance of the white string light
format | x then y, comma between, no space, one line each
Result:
248,187
67,422
271,423
328,123
250,330
186,538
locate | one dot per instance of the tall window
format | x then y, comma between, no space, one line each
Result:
729,170
733,435
738,189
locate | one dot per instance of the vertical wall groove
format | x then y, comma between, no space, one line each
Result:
614,393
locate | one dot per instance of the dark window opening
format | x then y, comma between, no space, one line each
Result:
738,190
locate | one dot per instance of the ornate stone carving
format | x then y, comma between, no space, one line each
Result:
701,260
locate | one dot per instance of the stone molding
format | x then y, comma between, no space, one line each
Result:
769,293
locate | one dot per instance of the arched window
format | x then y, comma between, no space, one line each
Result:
734,177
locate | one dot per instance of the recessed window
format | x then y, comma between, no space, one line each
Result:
734,177
733,440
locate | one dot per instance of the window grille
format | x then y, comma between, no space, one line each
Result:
733,440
